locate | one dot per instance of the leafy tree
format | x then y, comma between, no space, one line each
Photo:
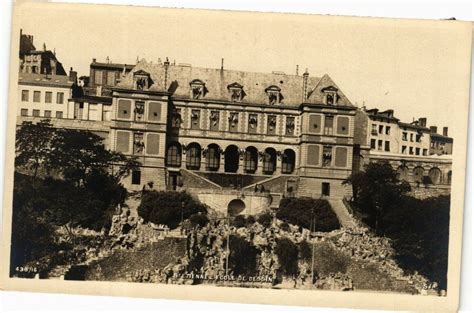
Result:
198,219
33,144
168,207
302,211
243,256
287,253
376,189
265,219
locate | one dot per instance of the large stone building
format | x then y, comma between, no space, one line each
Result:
224,129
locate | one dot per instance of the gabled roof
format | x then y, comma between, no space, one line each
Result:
316,95
217,82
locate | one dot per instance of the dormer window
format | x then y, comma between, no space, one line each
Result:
236,91
141,80
198,89
330,95
274,95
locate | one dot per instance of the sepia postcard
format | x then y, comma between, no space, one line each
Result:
288,159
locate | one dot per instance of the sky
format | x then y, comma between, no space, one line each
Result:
417,68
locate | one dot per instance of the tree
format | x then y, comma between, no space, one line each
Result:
243,256
287,253
375,190
168,207
33,144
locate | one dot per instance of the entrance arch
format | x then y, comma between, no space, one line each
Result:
235,207
231,159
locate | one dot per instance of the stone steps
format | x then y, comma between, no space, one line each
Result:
342,213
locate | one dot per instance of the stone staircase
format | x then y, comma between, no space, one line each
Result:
342,213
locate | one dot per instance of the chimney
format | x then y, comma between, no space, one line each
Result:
166,64
297,68
94,60
305,84
433,129
72,75
445,131
422,121
44,46
222,64
108,60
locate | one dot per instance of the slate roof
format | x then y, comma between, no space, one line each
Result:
217,82
41,79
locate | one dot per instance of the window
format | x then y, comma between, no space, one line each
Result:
193,157
379,144
373,143
274,95
141,80
290,125
417,151
213,157
374,130
411,137
152,143
418,137
404,136
154,111
234,122
343,125
136,177
173,155
36,96
236,92
198,89
48,97
387,130
404,149
250,160
425,151
138,143
139,110
327,156
47,113
98,77
214,119
380,129
111,78
59,114
387,145
195,119
36,113
269,161
288,161
24,112
328,124
176,119
271,124
124,109
410,150
25,95
60,98
326,189
253,123
330,99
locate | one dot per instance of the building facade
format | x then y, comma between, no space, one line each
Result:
232,130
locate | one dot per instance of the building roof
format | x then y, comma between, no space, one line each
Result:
414,126
116,66
26,44
41,79
441,137
178,78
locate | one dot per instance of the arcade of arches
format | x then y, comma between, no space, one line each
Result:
232,155
418,173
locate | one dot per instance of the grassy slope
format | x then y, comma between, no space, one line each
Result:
153,256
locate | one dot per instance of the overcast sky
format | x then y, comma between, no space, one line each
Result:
419,69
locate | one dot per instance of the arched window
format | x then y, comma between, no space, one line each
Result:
231,159
269,161
450,174
402,172
435,175
213,157
288,161
193,157
173,155
250,160
418,173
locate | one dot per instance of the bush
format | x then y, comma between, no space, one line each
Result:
239,221
250,220
287,253
329,261
198,219
299,211
265,219
168,207
285,226
243,256
305,251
